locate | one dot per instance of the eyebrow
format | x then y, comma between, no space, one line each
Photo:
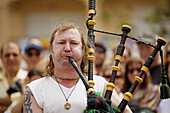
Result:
65,40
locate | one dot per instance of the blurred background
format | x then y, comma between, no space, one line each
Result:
21,19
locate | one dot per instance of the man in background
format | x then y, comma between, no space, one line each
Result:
11,59
33,53
100,56
145,51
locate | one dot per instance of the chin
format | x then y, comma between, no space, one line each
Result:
65,63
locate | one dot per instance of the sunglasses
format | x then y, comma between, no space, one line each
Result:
132,70
30,54
118,77
108,76
100,50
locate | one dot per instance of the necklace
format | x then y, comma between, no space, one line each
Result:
66,78
67,106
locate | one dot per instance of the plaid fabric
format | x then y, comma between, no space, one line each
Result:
97,102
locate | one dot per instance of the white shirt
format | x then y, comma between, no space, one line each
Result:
4,86
164,106
50,98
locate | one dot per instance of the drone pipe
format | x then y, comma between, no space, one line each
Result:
120,49
128,95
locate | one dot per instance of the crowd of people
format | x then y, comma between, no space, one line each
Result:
53,86
13,77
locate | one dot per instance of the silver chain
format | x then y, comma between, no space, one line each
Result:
66,78
63,91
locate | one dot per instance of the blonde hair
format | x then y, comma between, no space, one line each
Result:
50,65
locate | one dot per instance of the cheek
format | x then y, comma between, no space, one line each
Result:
5,60
131,78
78,50
53,52
18,59
128,76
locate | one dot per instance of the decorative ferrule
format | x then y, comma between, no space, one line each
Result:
92,83
138,79
144,68
126,29
92,11
91,22
162,39
91,50
115,68
110,86
118,57
90,90
128,96
127,26
90,57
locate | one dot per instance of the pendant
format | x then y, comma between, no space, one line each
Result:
67,106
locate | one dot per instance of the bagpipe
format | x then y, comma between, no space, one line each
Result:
96,104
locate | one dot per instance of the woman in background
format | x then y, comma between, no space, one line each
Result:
146,96
119,80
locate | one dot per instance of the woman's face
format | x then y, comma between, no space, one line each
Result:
134,69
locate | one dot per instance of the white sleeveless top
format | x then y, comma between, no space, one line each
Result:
50,98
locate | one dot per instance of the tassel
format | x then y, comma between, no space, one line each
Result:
164,87
164,94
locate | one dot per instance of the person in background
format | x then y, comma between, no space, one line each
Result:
100,56
107,71
33,53
41,66
61,90
119,80
164,105
145,51
146,97
11,59
126,54
167,52
33,75
17,105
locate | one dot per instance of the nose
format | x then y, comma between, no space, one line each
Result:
11,57
67,47
135,72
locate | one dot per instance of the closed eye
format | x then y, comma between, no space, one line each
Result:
61,42
74,43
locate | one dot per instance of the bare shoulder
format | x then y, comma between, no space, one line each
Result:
30,105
